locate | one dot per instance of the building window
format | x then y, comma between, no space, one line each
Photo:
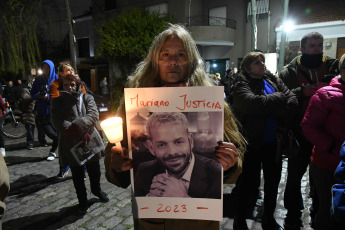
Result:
262,10
110,5
161,8
83,47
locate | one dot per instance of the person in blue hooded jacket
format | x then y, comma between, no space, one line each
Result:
39,92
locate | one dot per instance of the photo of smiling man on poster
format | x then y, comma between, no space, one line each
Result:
175,171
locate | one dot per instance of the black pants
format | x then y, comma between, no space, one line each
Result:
30,137
297,166
272,165
94,172
43,123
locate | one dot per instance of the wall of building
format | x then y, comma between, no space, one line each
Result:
236,10
83,28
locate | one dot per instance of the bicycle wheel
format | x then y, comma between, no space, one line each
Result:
13,129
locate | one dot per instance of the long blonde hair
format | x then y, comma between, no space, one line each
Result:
147,75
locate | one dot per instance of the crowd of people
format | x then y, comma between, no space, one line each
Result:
307,98
262,103
59,107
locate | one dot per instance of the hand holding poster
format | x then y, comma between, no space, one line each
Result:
172,135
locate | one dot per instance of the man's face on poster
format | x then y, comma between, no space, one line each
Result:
171,144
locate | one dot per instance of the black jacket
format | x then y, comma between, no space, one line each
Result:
227,82
252,106
28,107
290,79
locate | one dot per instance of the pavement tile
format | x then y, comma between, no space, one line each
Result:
112,211
95,222
112,222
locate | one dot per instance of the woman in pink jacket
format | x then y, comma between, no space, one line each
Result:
324,126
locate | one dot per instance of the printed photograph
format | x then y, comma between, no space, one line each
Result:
174,154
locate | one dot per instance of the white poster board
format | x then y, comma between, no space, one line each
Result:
204,109
271,61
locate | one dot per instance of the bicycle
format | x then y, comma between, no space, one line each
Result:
11,128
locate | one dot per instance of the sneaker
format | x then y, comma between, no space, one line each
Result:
83,208
44,144
30,147
102,196
51,156
62,174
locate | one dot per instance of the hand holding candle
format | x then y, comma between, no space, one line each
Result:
112,128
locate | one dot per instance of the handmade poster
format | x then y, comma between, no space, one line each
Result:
172,135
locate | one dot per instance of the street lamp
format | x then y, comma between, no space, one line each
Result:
288,26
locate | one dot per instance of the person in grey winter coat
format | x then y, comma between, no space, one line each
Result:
74,115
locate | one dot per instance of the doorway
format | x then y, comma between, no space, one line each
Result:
217,66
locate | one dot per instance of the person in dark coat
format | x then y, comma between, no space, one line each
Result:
28,116
104,87
17,92
9,94
304,75
74,115
228,82
261,102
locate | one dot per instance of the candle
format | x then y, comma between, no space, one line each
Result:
112,128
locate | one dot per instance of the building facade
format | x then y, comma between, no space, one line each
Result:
222,29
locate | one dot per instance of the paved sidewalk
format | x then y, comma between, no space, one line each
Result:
39,201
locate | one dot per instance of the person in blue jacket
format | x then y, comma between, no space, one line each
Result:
39,92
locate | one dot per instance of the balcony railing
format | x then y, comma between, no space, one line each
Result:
210,21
